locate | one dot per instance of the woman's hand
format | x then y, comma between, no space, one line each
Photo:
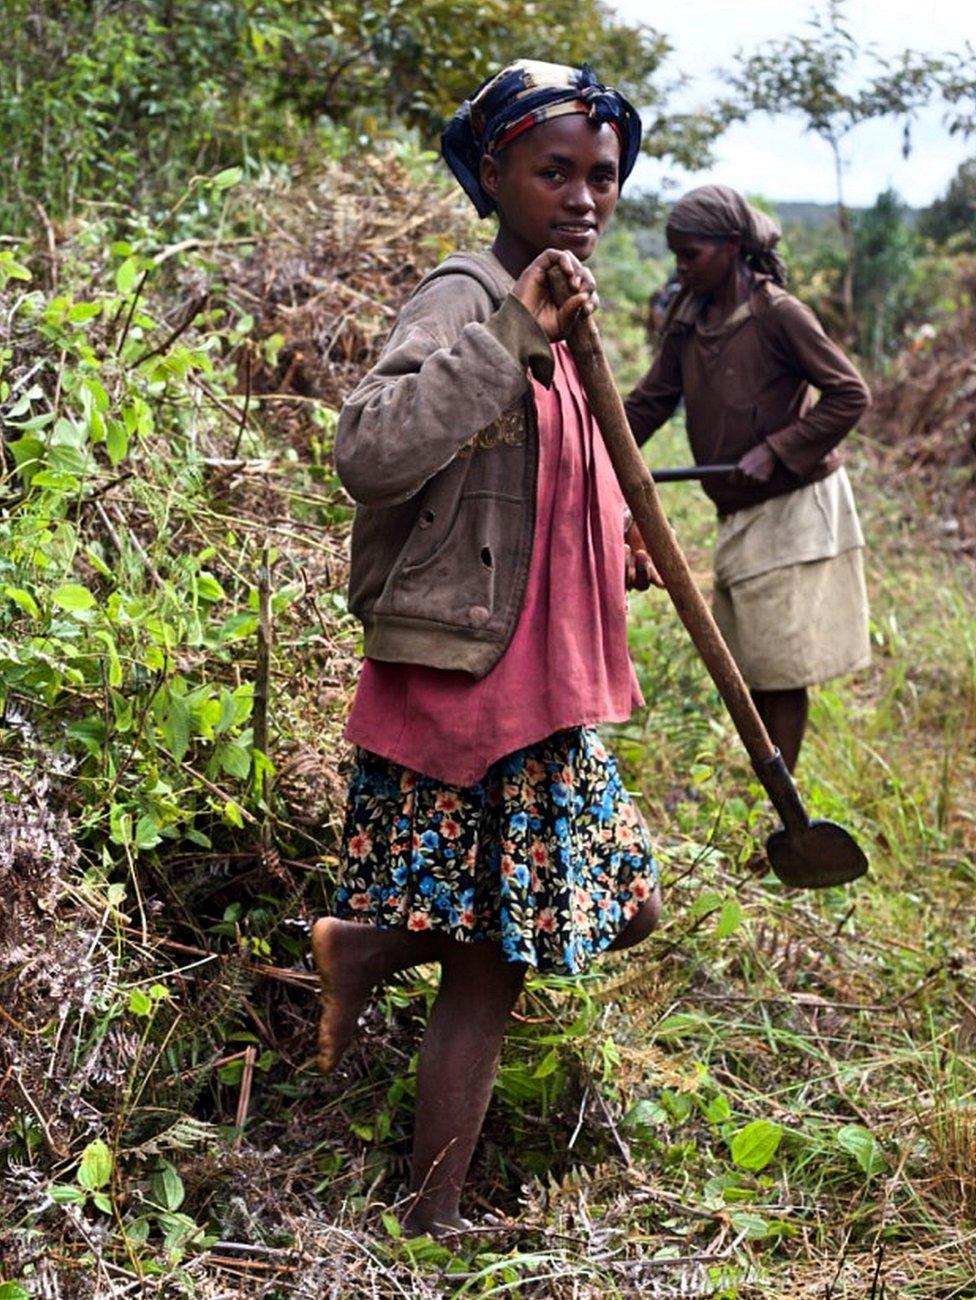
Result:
757,465
532,291
640,570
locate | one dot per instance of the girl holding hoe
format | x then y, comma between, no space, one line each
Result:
789,594
487,827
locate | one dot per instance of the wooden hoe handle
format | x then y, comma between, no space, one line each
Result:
642,497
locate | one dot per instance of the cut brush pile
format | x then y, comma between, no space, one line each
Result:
924,413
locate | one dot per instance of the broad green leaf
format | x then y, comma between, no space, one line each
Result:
23,599
547,1065
55,481
709,901
82,312
147,833
13,1290
116,441
140,1004
228,177
234,760
126,275
237,626
208,588
176,727
232,814
89,731
861,1143
753,1226
729,919
120,825
72,596
718,1109
755,1145
64,1194
232,1073
96,1165
94,396
228,711
167,1187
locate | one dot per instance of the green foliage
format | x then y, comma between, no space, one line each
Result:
94,630
126,102
886,251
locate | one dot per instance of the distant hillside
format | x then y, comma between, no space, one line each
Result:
816,215
645,214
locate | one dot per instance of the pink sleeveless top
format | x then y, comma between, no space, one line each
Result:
567,664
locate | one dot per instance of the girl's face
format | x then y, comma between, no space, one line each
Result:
702,264
556,186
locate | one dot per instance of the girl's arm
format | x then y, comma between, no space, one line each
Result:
656,397
453,364
795,332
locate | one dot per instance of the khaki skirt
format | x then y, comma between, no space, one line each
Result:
789,594
799,625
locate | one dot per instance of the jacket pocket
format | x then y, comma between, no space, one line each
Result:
466,579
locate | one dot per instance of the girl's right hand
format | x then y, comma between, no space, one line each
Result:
532,291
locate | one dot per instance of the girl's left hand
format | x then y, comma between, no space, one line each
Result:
757,465
639,567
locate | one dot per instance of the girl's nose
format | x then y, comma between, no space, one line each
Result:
580,199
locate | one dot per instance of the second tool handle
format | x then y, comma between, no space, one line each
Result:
642,497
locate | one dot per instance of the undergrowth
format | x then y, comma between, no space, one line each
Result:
773,1096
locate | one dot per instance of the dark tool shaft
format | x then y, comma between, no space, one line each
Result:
691,472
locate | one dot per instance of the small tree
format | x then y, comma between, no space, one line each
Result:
810,75
886,250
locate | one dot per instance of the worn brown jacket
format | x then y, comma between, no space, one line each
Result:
748,380
438,445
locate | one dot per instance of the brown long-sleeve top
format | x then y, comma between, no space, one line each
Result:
751,379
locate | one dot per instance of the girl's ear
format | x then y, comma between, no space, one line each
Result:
489,174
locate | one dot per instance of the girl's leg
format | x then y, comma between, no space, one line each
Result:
458,1062
785,716
351,959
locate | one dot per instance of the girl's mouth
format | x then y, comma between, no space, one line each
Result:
577,228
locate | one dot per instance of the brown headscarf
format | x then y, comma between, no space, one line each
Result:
717,212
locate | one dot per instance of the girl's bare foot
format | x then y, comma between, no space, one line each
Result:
351,959
347,981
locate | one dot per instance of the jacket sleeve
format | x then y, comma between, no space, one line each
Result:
656,397
451,366
795,331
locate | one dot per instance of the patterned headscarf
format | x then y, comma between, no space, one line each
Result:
521,96
717,212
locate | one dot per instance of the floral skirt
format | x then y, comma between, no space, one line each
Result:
546,855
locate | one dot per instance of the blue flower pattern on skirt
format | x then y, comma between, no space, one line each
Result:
546,855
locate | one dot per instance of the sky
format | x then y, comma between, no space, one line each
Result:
774,156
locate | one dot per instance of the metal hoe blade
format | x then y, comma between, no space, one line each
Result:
815,856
